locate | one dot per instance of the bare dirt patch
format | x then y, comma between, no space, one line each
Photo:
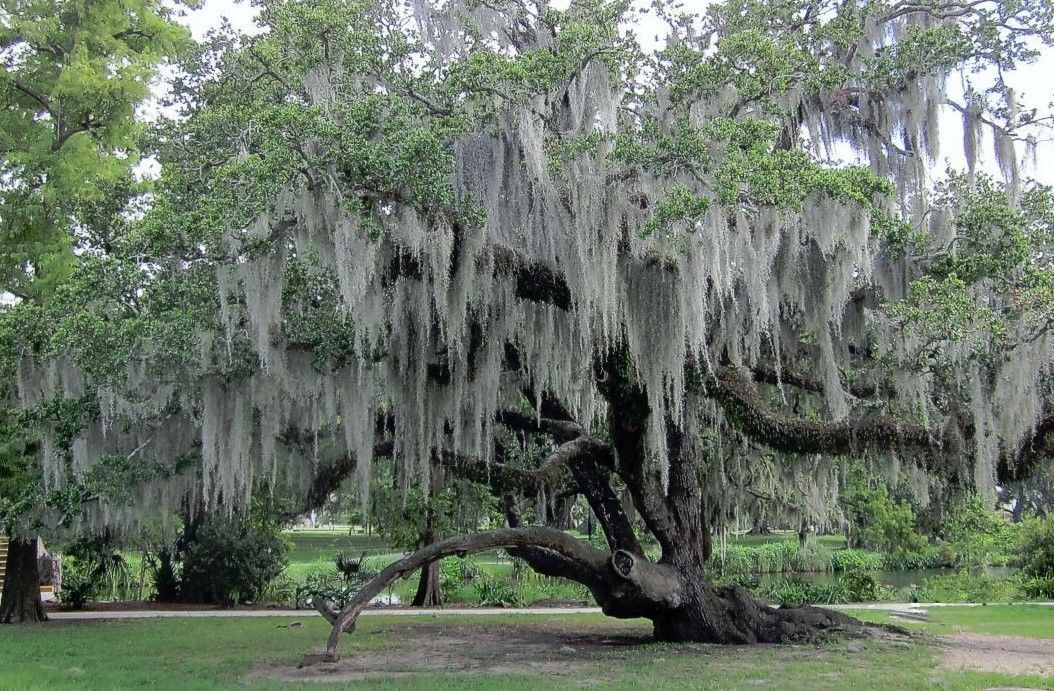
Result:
590,654
1006,654
521,648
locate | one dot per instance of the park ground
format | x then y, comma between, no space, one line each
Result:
955,648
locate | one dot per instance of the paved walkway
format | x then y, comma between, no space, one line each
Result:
464,611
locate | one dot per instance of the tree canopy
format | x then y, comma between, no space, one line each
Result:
404,230
75,73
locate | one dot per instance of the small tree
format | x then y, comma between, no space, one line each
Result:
877,522
1036,552
978,532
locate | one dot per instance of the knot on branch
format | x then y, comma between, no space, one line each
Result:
622,564
652,582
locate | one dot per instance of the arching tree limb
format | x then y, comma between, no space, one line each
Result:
656,585
532,536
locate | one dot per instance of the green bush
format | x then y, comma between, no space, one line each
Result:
856,560
976,535
498,592
865,586
78,587
93,569
931,557
772,557
231,560
455,572
1039,587
283,590
329,586
1035,551
798,591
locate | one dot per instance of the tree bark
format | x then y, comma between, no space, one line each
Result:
429,592
678,518
21,602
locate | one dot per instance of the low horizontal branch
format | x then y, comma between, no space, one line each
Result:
744,408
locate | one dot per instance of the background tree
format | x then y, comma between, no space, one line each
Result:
392,231
75,73
420,517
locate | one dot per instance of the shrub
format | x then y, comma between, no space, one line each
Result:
1036,548
498,592
1039,587
455,572
231,560
93,568
166,579
856,560
283,591
865,586
78,587
977,535
798,591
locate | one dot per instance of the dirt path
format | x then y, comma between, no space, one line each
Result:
1006,654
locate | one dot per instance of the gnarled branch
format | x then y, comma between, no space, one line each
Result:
555,541
743,407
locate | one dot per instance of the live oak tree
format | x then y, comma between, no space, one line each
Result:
75,72
437,233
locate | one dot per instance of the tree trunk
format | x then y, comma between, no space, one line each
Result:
760,526
429,592
677,515
21,599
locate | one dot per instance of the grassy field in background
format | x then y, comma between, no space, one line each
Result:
1029,621
504,652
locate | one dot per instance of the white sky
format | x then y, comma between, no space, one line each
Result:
1031,82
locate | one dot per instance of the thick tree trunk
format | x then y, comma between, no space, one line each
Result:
677,515
21,599
730,615
760,527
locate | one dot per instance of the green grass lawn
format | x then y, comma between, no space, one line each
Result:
480,652
1029,621
309,546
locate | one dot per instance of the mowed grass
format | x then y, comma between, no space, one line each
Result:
310,546
1027,621
216,653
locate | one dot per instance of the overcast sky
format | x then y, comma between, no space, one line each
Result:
1032,81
